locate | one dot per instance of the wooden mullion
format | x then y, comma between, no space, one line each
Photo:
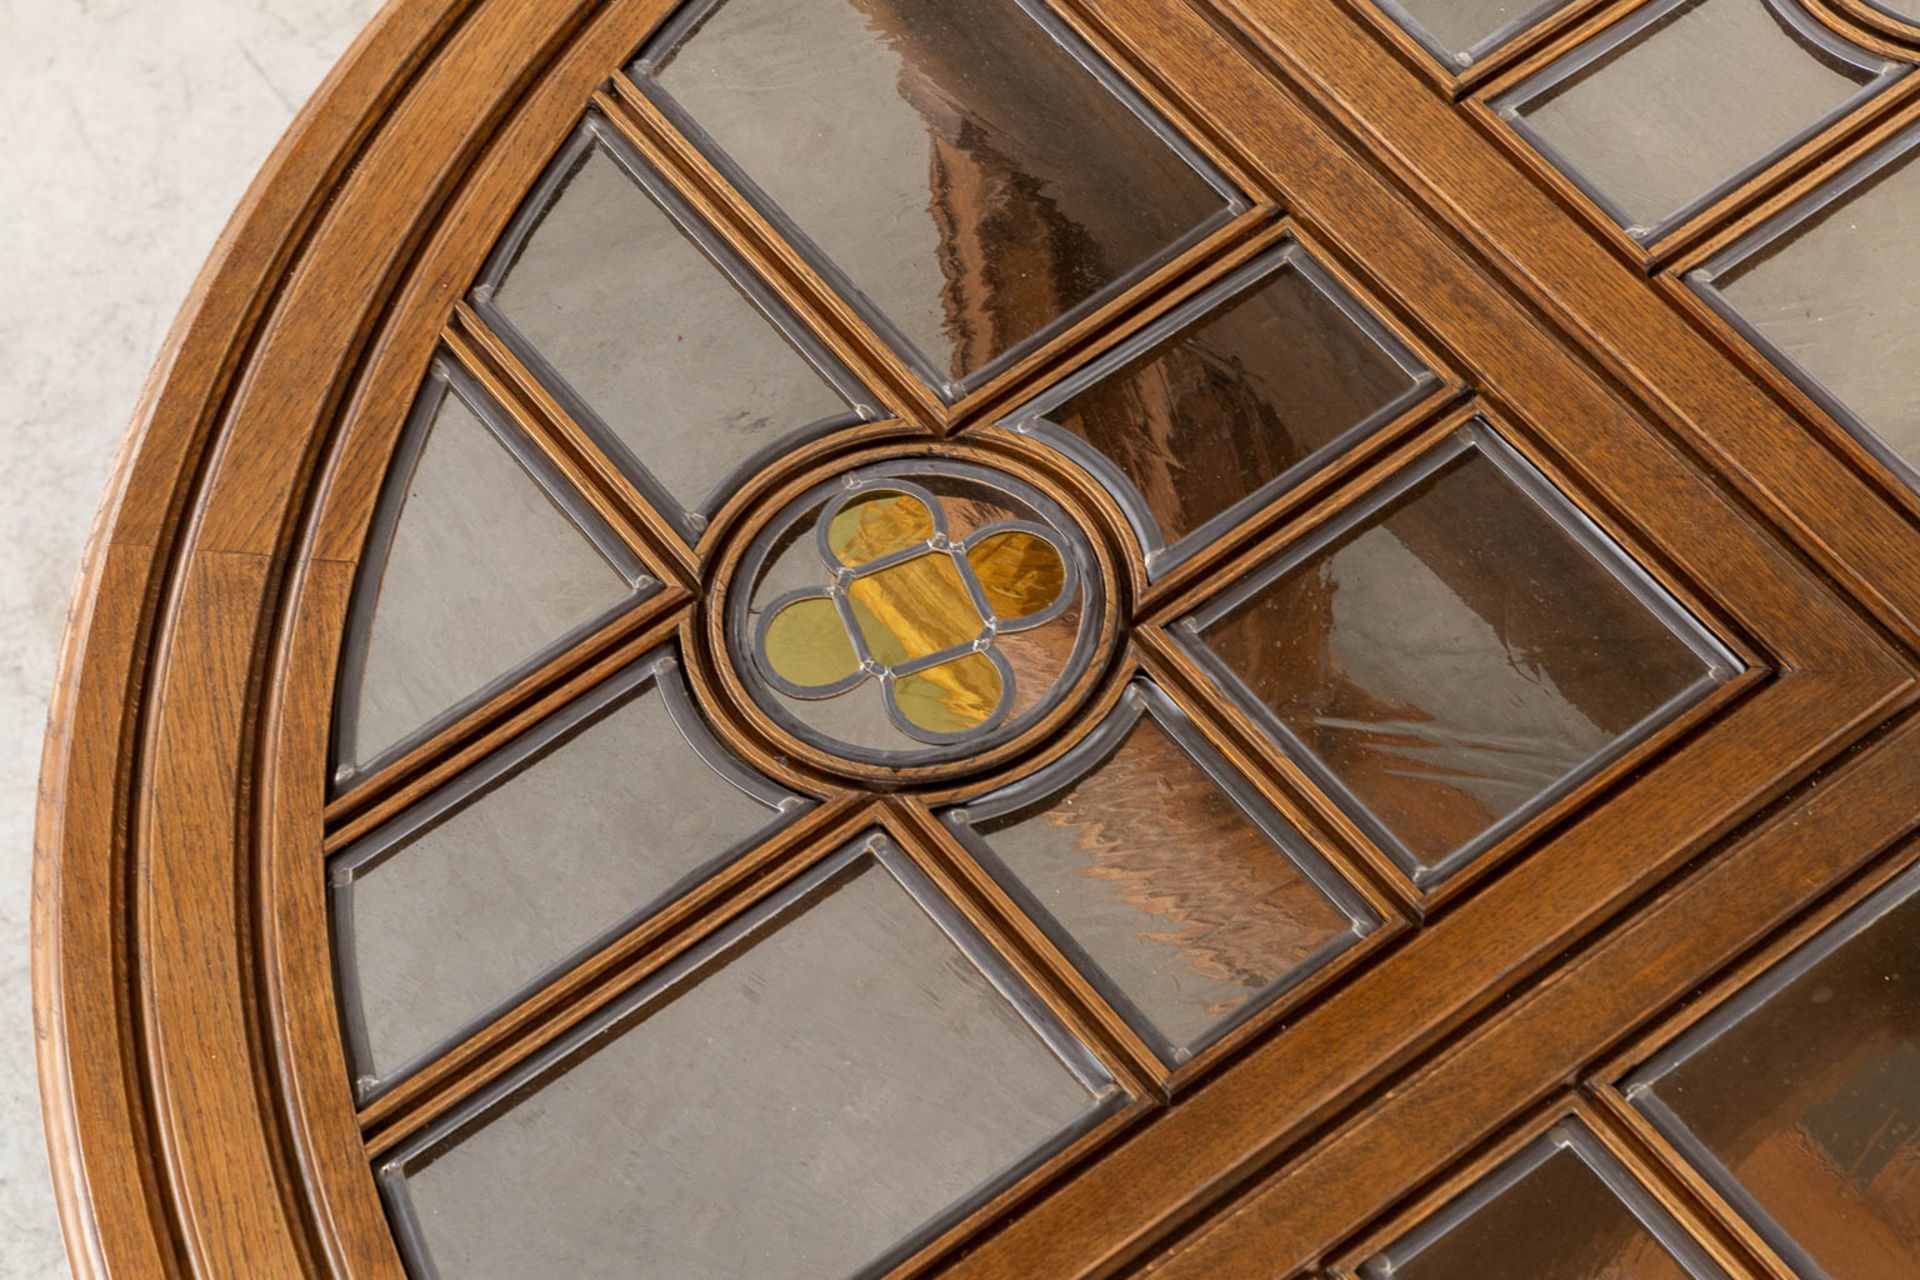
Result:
531,695
1719,1221
1094,1019
1496,65
1265,229
1657,361
748,232
1900,34
572,674
1601,1112
910,827
615,968
611,494
840,325
1021,944
1345,1257
1791,174
1819,913
1278,775
1557,1028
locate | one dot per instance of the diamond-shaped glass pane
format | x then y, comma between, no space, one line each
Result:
965,170
1453,651
1229,400
813,1093
583,825
1187,900
1799,1099
651,332
481,562
1562,1209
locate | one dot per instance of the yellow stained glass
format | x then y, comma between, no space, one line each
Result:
1020,572
876,525
915,608
952,697
807,644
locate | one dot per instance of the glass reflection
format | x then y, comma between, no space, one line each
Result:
957,162
1561,1209
1454,651
1800,1098
1262,378
1180,894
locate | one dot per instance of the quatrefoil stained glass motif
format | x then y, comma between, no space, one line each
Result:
916,606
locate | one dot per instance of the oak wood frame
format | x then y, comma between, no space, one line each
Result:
178,880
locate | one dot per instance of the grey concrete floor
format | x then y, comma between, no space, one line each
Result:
128,131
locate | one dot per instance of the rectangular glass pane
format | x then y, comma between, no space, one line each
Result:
1179,893
1800,1098
957,163
811,1094
1239,393
488,887
1659,112
1561,1209
1453,651
652,334
480,562
1833,290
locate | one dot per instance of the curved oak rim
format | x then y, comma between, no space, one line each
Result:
190,529
186,809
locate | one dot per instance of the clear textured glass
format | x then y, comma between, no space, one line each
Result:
1688,102
1802,1096
1449,656
1547,1215
955,161
1838,295
525,870
1463,30
1166,889
812,1099
483,571
1242,395
632,321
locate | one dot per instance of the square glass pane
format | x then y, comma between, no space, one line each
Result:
1799,1099
1661,112
1180,894
1832,290
652,333
494,884
481,562
966,170
1560,1209
814,1092
1453,651
1228,401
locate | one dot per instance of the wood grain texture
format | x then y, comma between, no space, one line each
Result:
196,1090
